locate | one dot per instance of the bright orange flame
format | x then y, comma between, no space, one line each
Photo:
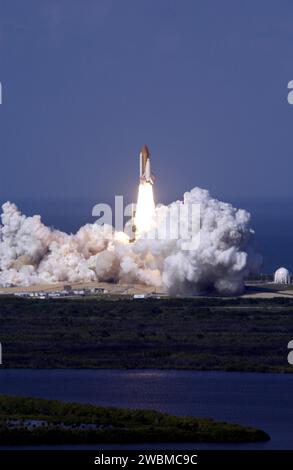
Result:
145,209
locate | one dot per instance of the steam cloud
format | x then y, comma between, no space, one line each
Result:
31,253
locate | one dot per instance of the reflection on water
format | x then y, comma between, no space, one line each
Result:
260,400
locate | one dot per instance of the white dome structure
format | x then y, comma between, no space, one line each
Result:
282,276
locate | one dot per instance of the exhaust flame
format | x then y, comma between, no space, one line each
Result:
145,209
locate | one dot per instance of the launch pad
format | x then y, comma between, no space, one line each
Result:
254,290
67,289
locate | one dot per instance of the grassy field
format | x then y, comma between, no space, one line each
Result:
39,421
195,333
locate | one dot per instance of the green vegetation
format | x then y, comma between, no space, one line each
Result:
38,421
195,333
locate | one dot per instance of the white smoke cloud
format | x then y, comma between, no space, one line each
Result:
31,253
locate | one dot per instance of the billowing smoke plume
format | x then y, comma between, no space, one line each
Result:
31,253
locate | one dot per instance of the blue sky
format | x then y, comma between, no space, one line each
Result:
203,83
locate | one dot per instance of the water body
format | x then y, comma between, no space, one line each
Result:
260,400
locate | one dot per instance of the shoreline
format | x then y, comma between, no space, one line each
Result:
27,420
149,369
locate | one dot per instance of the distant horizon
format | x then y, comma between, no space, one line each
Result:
203,84
271,220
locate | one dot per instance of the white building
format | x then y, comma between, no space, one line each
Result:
282,276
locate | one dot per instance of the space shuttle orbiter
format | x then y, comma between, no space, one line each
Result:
145,166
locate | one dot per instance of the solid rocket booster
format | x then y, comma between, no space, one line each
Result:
145,166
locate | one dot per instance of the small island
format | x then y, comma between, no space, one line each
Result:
38,421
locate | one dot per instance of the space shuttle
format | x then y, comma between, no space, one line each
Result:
145,166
